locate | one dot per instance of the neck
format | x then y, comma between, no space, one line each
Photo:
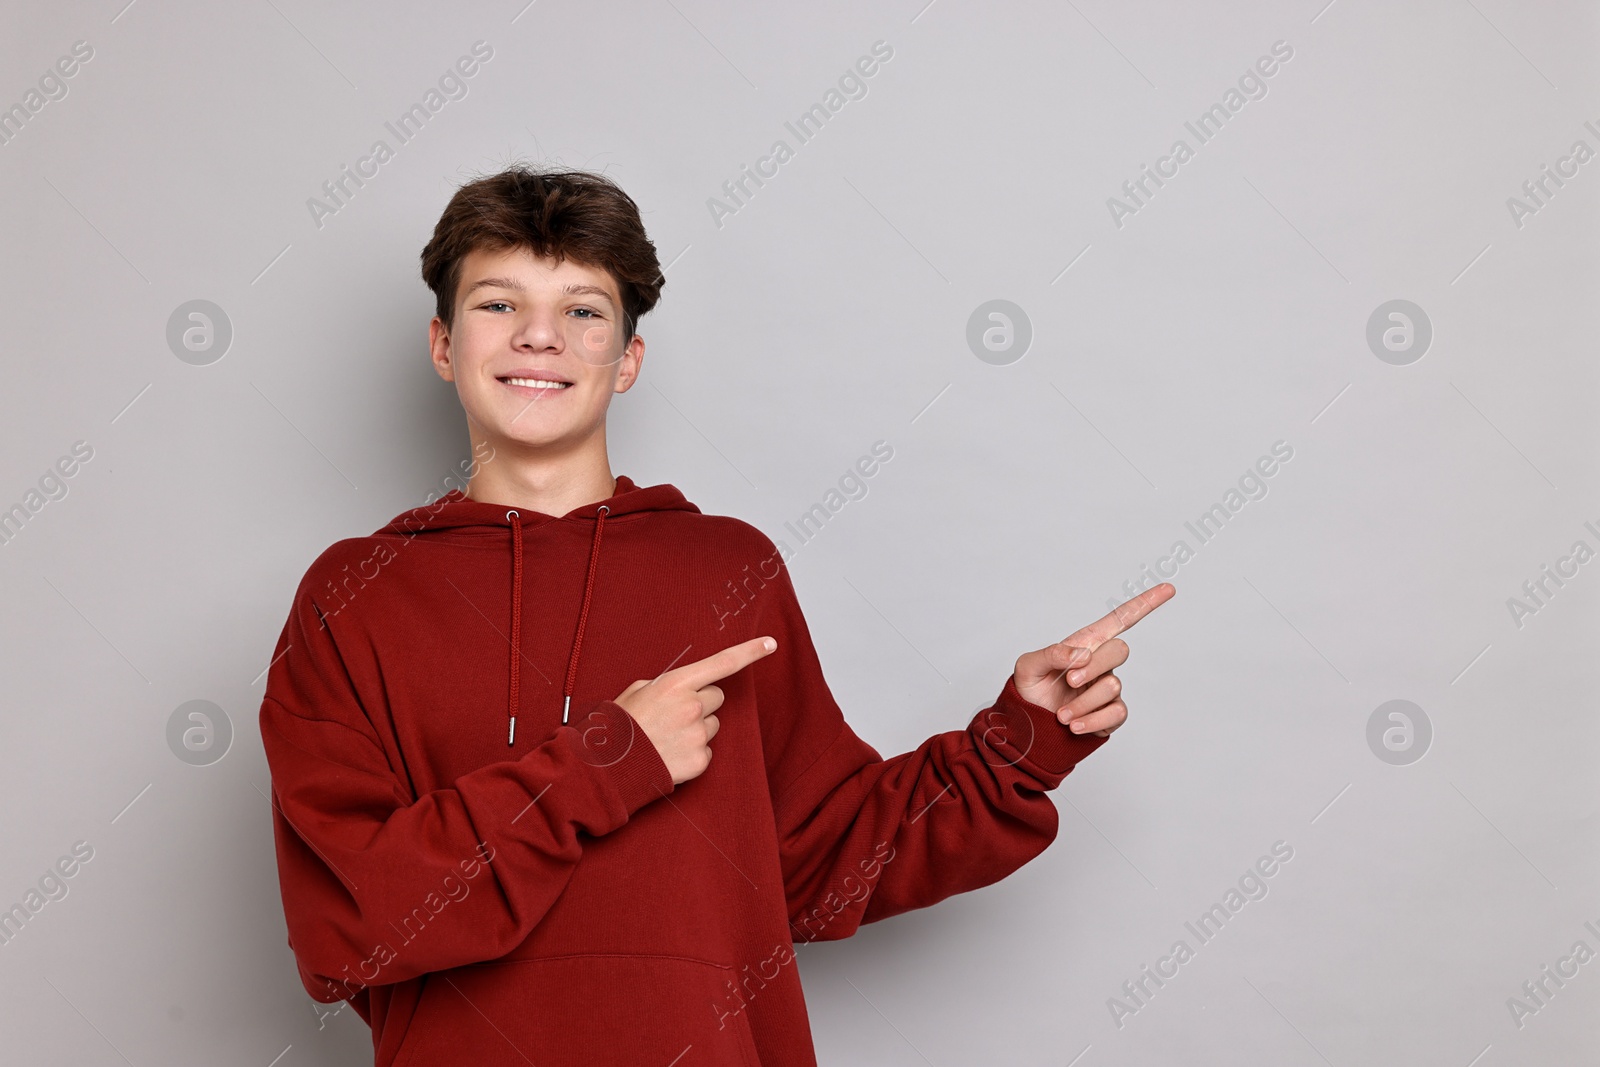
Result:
535,479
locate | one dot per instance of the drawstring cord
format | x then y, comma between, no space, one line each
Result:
515,519
583,614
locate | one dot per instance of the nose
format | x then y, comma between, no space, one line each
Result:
537,330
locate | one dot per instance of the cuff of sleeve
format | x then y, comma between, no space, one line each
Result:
613,740
1023,734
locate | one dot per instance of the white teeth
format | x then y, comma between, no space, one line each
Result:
536,383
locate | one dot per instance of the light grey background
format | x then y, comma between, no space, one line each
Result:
830,312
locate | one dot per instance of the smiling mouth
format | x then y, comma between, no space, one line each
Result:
546,385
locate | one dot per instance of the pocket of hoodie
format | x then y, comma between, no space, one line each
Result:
590,1010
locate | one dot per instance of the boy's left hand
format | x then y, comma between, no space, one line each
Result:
1088,696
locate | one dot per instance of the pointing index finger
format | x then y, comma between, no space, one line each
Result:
1122,617
719,665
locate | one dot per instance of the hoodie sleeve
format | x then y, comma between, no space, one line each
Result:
362,865
863,838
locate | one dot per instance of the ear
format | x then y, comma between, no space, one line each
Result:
630,364
439,349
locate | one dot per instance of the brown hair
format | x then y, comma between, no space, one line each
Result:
573,215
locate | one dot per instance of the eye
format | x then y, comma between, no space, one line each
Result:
496,304
591,312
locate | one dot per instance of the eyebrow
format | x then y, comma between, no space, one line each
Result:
576,288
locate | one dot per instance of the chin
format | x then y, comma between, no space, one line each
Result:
528,436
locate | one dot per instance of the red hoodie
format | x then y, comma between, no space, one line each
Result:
486,885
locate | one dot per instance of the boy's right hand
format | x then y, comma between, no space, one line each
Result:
675,709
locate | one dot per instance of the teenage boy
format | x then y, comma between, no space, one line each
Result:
556,775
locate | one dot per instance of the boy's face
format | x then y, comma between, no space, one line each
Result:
520,317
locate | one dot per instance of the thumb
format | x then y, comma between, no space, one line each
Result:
1050,662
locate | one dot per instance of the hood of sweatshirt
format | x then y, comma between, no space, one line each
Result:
458,513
